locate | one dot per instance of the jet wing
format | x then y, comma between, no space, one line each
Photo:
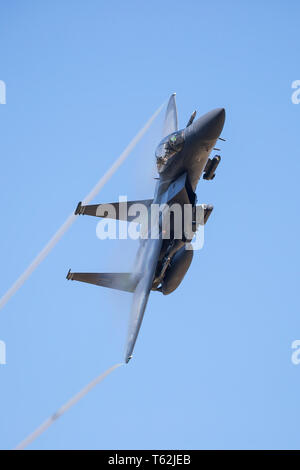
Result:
149,255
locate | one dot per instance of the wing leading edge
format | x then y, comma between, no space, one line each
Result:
140,297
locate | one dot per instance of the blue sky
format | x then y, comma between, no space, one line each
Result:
212,366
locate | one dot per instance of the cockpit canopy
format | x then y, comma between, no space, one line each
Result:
168,147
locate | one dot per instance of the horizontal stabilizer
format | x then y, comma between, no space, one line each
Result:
120,281
113,210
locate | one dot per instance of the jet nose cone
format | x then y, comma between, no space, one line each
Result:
210,126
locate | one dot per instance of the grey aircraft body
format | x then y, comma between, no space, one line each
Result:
161,263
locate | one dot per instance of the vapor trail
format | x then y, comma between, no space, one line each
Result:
46,424
69,221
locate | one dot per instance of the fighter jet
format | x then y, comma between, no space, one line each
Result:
182,157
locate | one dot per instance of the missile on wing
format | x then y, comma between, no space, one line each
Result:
210,168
